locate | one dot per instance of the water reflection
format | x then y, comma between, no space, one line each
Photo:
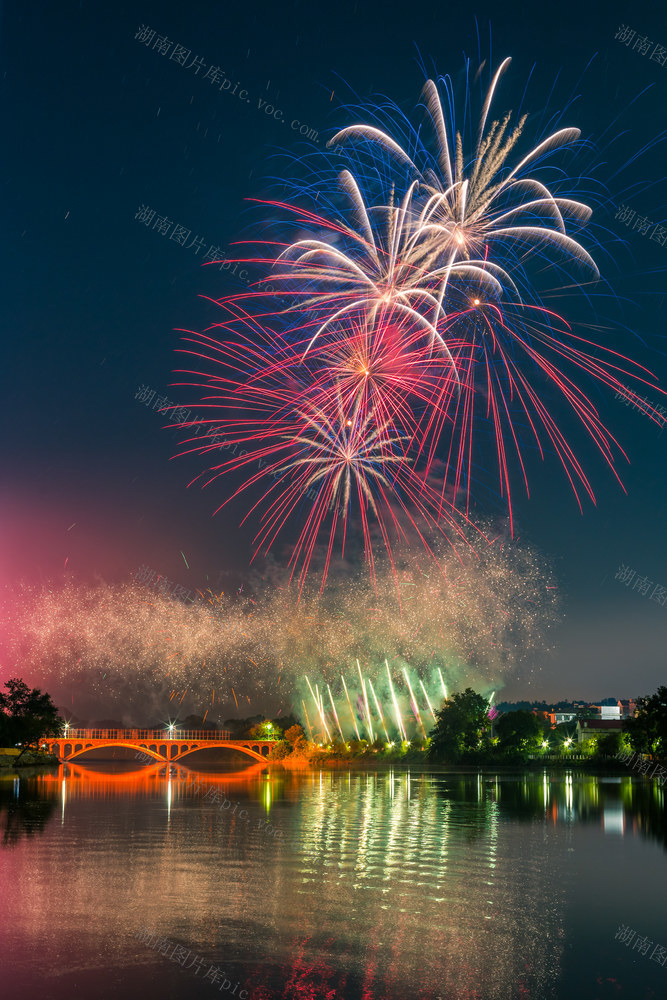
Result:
619,805
25,809
386,884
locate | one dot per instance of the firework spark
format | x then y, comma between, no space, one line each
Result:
408,341
481,617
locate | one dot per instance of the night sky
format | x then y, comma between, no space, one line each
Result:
96,124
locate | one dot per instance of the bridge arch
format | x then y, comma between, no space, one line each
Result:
220,746
115,743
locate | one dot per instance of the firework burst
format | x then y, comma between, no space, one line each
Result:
405,350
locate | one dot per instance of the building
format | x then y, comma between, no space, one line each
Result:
588,729
625,708
606,711
628,708
556,718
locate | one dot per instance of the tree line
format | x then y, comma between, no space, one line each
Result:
463,730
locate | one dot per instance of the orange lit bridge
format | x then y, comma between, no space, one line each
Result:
164,745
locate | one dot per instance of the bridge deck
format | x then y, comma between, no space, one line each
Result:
167,746
146,734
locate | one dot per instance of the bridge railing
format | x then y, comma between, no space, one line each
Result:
161,735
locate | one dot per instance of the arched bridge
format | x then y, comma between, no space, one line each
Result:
162,745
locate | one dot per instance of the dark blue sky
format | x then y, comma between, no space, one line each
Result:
95,124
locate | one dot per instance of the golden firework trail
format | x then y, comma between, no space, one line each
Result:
379,710
305,712
428,701
354,718
316,699
368,711
415,706
335,713
399,720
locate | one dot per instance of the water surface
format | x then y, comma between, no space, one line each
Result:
118,882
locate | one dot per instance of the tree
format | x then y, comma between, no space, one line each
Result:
264,731
286,722
279,750
647,732
459,726
26,715
296,737
610,745
520,731
295,734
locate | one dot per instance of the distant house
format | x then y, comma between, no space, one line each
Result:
588,729
557,718
628,707
607,711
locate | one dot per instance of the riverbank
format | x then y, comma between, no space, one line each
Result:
594,765
11,759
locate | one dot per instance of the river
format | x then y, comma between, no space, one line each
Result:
118,882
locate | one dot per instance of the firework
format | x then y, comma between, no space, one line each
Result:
484,215
319,706
413,702
399,720
466,195
481,616
406,341
371,735
335,714
328,458
428,701
378,284
352,715
379,710
305,713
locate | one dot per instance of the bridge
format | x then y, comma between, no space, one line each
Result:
166,746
